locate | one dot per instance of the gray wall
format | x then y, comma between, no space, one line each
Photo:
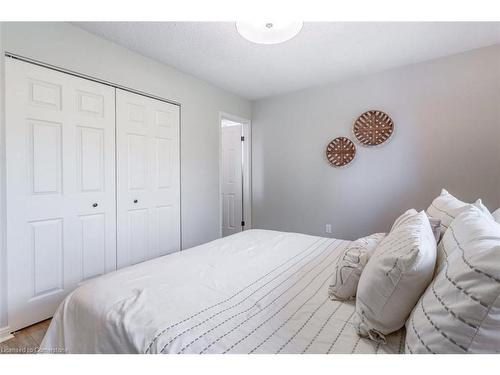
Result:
72,48
447,135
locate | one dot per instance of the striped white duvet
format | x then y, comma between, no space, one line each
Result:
254,292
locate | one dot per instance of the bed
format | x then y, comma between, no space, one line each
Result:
258,291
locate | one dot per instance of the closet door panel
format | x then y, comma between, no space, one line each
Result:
95,196
92,232
60,172
47,256
148,167
138,235
45,162
138,162
90,159
166,177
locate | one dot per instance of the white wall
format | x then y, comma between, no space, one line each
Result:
3,267
447,135
67,46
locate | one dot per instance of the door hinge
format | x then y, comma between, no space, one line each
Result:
242,223
242,138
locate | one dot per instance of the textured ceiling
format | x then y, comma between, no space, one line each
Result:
322,52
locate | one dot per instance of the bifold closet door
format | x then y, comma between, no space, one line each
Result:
148,178
60,168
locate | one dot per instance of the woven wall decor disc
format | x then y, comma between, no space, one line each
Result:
340,151
373,128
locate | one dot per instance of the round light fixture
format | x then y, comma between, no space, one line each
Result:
268,32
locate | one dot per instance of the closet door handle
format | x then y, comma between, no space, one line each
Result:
95,205
135,201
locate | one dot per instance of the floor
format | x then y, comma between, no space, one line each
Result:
27,340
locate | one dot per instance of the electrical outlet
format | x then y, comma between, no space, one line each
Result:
328,228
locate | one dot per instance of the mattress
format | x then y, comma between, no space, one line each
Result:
257,291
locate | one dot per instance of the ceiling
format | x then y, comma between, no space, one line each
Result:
322,52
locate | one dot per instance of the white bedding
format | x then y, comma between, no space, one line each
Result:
254,292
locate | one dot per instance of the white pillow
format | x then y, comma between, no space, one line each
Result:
403,218
436,227
395,277
350,265
446,208
434,222
496,215
460,310
479,204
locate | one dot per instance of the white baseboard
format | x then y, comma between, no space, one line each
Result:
5,334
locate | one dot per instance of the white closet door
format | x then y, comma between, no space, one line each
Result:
148,180
232,181
60,154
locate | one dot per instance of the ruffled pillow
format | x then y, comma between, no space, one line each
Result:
350,265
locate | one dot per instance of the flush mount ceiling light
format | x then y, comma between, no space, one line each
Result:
268,32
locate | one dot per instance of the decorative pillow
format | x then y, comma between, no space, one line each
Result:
403,218
496,215
434,222
446,208
479,204
436,227
460,310
440,251
395,276
350,265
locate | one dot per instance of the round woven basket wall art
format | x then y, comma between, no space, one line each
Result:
340,151
373,128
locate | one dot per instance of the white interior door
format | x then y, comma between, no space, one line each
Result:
232,182
60,158
148,180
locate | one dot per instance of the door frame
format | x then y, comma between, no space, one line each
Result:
247,167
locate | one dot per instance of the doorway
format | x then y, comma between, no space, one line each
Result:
235,176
